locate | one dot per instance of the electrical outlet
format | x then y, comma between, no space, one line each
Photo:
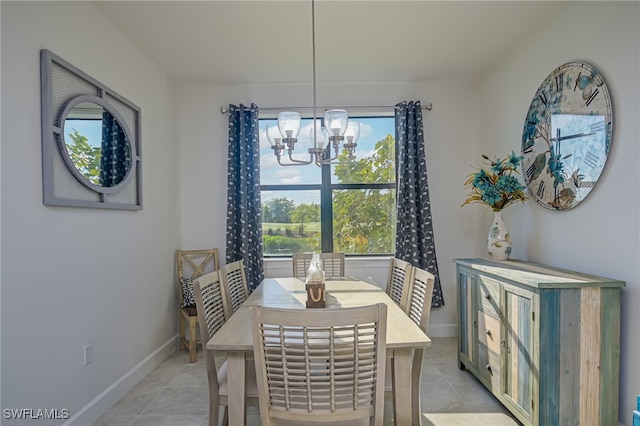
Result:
88,354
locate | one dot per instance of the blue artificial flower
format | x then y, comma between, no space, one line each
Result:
491,195
508,184
496,187
515,160
497,166
481,180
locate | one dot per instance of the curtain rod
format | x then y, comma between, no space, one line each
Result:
427,107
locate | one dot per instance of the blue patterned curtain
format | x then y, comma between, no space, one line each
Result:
115,159
414,230
244,217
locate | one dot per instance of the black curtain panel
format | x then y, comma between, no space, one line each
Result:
414,229
244,216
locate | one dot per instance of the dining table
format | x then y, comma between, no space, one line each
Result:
403,339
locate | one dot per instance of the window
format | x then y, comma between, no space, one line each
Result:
347,208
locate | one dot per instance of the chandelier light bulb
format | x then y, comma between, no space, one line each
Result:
353,131
289,124
273,134
338,120
320,139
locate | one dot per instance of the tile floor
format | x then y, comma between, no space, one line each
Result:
176,392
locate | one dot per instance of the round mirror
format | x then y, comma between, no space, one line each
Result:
98,149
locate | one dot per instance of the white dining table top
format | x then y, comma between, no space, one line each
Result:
290,293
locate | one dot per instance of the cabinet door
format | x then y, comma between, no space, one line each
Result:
519,379
467,332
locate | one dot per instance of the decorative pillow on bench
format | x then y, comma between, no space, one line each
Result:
188,298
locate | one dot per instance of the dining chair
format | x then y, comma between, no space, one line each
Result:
191,264
398,280
420,295
324,365
419,310
235,288
211,303
332,264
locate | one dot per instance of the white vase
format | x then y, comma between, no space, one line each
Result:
498,240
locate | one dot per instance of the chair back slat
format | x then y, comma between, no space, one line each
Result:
398,281
195,263
234,285
420,295
210,305
332,264
320,365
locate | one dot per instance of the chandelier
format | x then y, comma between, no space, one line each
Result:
338,131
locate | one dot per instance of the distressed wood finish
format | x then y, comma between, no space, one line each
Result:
559,340
489,331
467,324
517,363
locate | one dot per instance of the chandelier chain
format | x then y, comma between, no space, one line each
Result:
313,50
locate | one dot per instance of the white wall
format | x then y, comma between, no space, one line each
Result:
203,153
601,235
73,276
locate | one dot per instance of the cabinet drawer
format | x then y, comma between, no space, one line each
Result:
489,368
489,295
489,331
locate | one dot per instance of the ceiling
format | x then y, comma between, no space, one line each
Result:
270,42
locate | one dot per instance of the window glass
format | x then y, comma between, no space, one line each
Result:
352,210
362,220
290,221
375,154
271,173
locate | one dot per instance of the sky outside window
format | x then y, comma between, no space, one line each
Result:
372,130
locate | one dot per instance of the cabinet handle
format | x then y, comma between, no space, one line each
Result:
488,332
502,343
488,367
487,296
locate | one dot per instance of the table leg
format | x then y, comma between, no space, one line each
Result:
402,386
236,382
416,374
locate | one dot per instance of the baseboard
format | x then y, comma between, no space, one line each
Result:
99,405
442,330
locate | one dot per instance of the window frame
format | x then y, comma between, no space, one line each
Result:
326,188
